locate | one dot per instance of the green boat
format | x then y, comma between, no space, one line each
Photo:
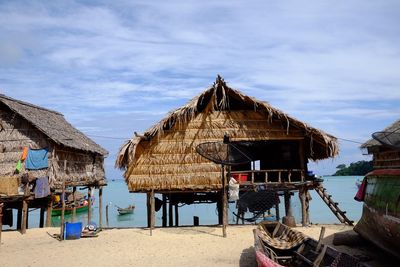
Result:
380,191
69,208
380,221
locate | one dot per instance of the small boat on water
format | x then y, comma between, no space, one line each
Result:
82,205
279,245
127,210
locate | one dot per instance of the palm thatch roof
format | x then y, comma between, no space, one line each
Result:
164,157
53,125
372,143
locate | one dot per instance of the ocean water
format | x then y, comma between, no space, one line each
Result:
342,189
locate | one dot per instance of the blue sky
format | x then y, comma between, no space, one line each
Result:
115,67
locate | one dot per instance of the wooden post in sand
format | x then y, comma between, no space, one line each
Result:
224,204
101,207
164,210
148,204
1,219
41,220
49,211
170,211
153,212
25,210
63,202
74,206
89,204
303,199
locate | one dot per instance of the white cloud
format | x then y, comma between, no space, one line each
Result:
334,65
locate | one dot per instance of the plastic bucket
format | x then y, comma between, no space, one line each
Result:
73,230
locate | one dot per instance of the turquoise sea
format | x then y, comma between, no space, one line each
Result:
342,189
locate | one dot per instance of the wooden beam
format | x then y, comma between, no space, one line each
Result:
176,215
302,196
62,211
224,202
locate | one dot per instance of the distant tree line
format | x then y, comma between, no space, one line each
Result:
356,168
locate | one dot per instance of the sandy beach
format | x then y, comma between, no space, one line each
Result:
182,246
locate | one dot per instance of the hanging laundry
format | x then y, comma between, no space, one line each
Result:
37,159
18,166
42,188
24,153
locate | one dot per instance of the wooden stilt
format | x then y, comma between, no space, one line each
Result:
302,196
90,204
1,219
224,204
164,210
153,212
176,215
63,203
101,207
170,213
74,206
148,209
49,211
19,217
277,215
24,216
41,222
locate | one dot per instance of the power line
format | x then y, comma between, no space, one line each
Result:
351,141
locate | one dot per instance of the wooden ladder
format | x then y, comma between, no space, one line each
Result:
333,205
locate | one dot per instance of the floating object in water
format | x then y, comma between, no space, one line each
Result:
127,210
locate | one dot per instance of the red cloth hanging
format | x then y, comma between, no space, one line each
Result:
361,191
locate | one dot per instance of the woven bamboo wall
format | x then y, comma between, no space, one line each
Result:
82,168
170,162
386,159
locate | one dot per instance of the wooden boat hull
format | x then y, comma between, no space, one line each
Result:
128,210
380,221
57,212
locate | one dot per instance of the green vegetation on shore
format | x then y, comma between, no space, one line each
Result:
356,168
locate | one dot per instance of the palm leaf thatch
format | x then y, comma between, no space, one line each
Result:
164,157
73,157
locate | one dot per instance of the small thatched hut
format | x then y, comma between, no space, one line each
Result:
164,158
70,158
384,156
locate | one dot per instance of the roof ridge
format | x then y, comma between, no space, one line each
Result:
29,104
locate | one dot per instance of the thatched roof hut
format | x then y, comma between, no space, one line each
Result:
385,156
164,157
71,155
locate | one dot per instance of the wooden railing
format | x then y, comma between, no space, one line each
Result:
283,175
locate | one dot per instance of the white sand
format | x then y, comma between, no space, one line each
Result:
183,246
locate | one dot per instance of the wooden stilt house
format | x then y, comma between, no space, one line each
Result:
39,149
164,159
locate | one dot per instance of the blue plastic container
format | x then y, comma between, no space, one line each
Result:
73,230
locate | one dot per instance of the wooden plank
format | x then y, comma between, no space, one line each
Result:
164,210
90,204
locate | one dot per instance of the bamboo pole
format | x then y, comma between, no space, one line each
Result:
101,207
